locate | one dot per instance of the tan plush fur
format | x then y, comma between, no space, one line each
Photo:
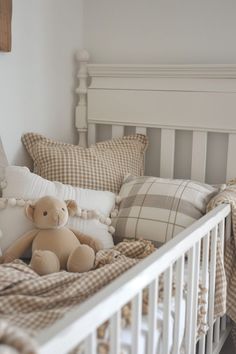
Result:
54,246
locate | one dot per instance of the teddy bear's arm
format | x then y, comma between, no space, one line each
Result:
20,246
87,240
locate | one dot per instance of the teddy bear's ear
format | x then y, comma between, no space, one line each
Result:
29,211
71,206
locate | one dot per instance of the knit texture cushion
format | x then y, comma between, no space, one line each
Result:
101,166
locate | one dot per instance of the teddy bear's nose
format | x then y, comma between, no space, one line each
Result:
57,216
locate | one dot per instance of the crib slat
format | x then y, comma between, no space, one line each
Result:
221,234
221,326
190,298
213,246
117,131
152,319
90,343
228,227
231,170
167,308
178,303
136,323
199,153
195,276
141,130
167,153
224,233
115,332
205,284
223,323
217,331
91,134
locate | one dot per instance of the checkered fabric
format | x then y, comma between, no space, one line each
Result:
157,209
32,302
101,166
226,269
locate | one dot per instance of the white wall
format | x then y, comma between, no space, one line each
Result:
164,32
161,31
37,79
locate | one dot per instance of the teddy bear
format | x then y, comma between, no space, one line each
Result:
54,246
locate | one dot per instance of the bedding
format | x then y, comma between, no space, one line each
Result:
32,302
226,265
22,185
101,166
40,301
159,208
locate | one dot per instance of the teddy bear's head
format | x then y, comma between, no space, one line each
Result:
50,213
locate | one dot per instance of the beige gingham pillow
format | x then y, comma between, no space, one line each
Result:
101,166
157,209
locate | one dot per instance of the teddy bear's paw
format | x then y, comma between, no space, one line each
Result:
7,258
81,259
45,262
98,245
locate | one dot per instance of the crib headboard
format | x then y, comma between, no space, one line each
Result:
187,111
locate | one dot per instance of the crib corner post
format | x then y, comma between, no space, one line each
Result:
81,108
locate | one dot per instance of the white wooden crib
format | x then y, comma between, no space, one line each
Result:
189,114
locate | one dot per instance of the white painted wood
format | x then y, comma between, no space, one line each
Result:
81,108
167,153
167,308
205,284
189,71
91,344
66,333
178,304
228,228
195,277
190,301
115,327
91,134
231,166
221,232
202,111
223,323
217,331
141,130
199,151
83,139
213,246
136,323
117,131
152,308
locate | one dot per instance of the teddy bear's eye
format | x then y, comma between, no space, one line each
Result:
63,209
45,213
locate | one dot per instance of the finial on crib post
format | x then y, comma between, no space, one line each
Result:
81,109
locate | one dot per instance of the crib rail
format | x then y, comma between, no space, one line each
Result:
81,323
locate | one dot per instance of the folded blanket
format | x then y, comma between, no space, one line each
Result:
229,275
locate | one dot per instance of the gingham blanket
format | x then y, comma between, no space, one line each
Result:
32,302
226,271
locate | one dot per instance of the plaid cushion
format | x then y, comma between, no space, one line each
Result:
157,209
101,166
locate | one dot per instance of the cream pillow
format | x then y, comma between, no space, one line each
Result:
22,185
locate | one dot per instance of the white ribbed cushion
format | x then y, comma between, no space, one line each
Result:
22,184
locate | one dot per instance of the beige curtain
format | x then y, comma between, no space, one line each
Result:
5,25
